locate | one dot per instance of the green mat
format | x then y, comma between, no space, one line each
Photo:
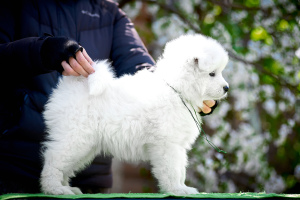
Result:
156,196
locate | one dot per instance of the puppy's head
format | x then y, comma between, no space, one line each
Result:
194,65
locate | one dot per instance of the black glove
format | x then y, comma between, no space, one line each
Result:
57,49
212,109
148,66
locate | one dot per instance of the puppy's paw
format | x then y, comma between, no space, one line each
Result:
63,190
76,190
191,190
184,190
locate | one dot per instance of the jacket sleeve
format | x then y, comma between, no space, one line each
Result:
18,57
128,51
22,57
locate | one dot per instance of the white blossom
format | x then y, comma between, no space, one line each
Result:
238,16
132,12
274,184
266,3
297,171
297,53
283,132
270,106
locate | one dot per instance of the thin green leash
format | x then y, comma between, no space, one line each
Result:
197,122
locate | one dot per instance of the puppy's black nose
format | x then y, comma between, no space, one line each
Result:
226,88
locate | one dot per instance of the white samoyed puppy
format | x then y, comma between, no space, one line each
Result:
137,117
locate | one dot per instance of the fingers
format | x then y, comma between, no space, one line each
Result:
68,70
77,67
82,65
87,57
207,104
205,109
85,61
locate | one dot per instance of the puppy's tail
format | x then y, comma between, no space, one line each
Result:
101,78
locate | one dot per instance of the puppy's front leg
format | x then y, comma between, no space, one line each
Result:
169,163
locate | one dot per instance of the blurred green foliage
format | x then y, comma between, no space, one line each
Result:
259,123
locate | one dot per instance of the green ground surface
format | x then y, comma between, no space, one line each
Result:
156,196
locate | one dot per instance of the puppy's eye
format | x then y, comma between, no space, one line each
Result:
212,74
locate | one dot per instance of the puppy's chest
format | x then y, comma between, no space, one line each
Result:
187,131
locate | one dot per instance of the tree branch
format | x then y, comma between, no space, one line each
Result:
260,68
228,4
184,18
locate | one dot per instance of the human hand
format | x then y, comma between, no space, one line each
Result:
82,65
208,107
65,55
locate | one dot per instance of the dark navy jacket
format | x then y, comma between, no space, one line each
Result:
100,27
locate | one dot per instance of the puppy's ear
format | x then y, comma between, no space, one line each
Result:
196,64
196,61
193,61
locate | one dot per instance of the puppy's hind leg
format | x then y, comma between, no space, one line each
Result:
169,163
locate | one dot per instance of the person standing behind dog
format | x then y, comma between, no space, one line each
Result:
32,63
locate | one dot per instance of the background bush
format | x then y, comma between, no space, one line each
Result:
259,123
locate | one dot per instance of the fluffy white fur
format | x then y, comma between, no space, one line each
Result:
133,118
